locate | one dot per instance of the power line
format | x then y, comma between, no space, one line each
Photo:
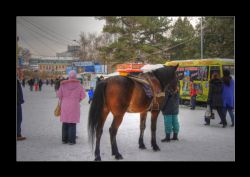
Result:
52,31
38,40
31,28
48,33
22,39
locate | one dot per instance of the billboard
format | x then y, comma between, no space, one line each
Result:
100,68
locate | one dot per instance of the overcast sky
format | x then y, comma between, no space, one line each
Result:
47,36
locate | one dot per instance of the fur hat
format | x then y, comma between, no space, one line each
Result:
72,74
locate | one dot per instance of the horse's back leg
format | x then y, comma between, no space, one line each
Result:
154,115
113,131
143,117
99,131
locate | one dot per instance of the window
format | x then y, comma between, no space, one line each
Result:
230,68
180,73
214,69
198,73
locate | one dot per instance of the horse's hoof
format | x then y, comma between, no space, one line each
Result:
156,148
142,146
118,157
98,158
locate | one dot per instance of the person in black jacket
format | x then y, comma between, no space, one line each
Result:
215,99
19,110
170,110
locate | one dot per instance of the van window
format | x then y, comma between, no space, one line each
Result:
230,68
197,73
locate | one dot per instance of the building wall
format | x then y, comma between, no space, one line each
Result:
52,67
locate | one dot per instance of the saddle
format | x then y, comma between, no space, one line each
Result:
149,90
145,85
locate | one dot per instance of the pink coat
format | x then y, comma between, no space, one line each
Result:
70,93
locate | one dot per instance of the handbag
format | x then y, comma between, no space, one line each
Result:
57,111
209,114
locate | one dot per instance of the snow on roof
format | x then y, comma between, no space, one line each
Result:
52,58
149,67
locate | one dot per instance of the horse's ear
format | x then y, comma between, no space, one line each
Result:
176,66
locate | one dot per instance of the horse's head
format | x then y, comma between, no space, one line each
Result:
167,77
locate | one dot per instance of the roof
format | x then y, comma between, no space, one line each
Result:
196,62
51,58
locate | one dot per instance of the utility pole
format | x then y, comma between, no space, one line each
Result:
201,40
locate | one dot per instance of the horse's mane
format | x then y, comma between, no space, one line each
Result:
164,74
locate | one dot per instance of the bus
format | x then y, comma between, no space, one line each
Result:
200,72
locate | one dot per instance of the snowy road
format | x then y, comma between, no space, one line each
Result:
43,131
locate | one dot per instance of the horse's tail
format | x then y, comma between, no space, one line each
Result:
95,111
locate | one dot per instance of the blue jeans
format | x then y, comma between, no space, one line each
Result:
193,101
171,123
19,120
69,132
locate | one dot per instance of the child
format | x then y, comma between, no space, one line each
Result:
91,94
193,94
170,110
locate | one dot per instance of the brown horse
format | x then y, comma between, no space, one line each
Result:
118,95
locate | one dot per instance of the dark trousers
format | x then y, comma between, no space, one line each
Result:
19,120
221,115
193,102
69,132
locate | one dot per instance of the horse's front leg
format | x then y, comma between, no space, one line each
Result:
154,116
143,117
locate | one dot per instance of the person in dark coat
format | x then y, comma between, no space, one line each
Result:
51,82
40,83
170,110
19,111
31,84
57,84
228,95
23,82
215,98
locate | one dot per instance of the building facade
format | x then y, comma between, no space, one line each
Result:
55,65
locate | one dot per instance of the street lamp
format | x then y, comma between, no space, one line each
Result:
201,40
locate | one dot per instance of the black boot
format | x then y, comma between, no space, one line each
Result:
207,121
167,138
175,137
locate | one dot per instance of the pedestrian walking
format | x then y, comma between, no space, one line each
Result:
40,83
91,94
215,98
36,84
193,94
228,95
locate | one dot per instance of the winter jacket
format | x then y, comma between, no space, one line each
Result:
19,94
228,94
193,91
170,104
91,94
70,93
215,93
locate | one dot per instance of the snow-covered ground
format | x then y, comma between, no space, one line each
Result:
43,131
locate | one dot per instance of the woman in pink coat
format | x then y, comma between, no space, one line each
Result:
70,93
